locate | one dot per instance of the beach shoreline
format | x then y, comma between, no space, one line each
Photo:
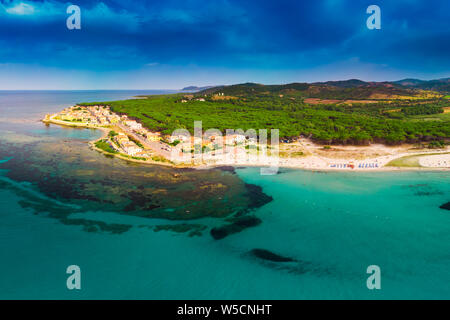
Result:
309,162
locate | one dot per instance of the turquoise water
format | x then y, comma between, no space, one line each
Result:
333,224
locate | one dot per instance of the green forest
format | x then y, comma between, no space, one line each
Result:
389,122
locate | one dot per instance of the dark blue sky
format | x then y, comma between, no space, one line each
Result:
126,44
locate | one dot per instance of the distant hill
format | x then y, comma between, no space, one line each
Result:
195,88
352,89
409,82
352,83
256,88
344,89
441,85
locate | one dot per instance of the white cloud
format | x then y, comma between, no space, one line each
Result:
21,9
98,15
32,10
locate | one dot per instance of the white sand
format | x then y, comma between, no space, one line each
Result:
315,161
435,161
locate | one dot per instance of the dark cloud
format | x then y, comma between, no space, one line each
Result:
225,33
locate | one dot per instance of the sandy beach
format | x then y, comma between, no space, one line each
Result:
435,161
302,154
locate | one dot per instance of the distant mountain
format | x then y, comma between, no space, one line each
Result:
343,89
352,83
348,89
409,82
250,88
441,85
195,88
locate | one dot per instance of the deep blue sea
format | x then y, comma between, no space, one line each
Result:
63,204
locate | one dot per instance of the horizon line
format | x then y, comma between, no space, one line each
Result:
222,85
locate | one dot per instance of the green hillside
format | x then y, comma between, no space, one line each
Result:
283,107
441,85
348,89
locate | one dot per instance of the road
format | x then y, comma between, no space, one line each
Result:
155,146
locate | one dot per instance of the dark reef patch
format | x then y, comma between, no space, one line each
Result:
238,225
140,201
425,193
445,206
424,189
96,226
270,256
282,170
62,213
256,196
287,264
72,179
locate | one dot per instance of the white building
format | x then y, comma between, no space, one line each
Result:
235,138
133,125
179,137
132,149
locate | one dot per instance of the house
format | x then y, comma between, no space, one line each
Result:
103,119
113,118
133,125
234,139
121,138
179,137
132,149
151,136
217,139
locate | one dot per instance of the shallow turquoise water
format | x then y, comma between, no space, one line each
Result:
333,224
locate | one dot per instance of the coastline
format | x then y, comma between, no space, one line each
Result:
106,131
310,163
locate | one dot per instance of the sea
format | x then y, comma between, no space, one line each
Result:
153,232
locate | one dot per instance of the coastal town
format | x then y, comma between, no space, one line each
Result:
128,139
125,136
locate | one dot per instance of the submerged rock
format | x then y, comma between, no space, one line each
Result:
445,206
256,196
270,256
236,226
